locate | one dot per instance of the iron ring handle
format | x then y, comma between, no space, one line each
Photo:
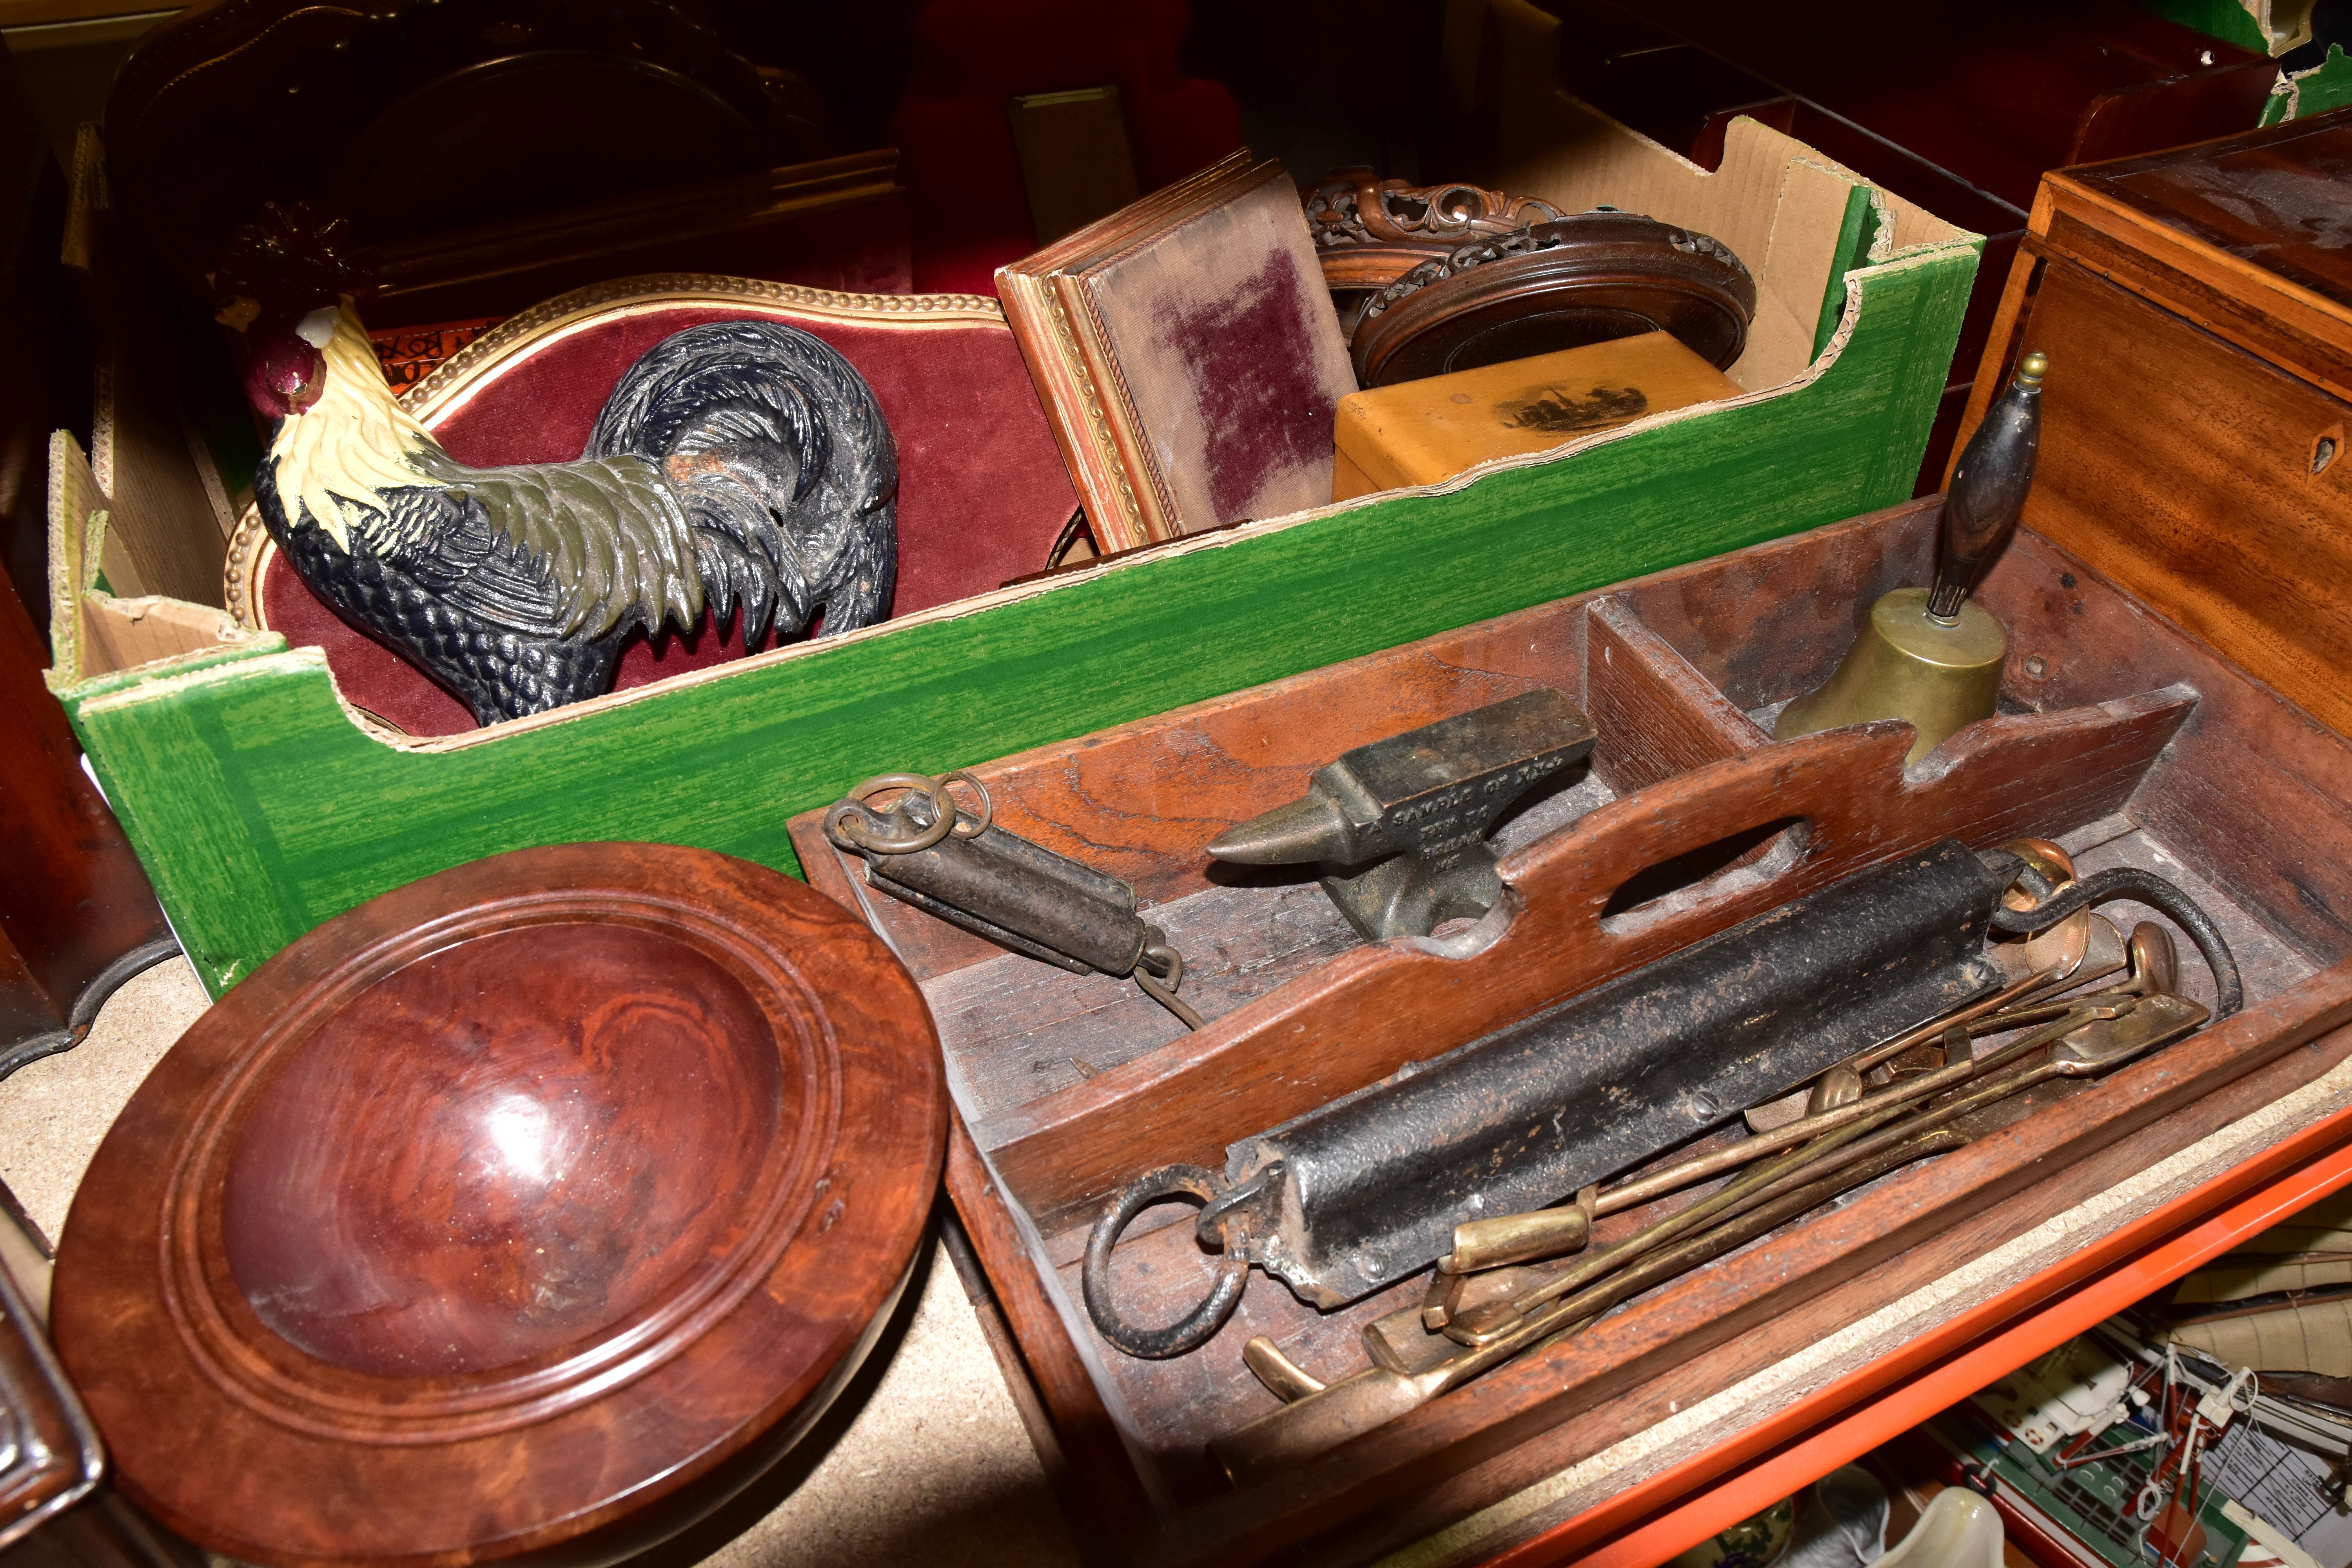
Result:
846,820
1197,1327
2124,882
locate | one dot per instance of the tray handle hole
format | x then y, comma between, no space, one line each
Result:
1695,876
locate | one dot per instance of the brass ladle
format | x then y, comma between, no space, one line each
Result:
1502,1239
2085,946
2155,963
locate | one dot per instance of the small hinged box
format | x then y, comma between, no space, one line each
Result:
1419,432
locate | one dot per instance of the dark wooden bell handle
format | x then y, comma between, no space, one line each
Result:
1989,489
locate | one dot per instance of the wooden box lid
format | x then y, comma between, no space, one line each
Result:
2244,236
1419,432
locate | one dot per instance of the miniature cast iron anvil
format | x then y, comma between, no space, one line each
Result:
1399,828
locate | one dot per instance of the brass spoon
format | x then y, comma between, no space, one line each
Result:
2155,963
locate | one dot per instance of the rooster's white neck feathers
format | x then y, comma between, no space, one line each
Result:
352,444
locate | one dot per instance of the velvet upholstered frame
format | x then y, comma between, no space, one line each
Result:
983,492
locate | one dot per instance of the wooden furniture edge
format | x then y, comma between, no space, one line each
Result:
1105,1491
2325,319
2264,314
448,384
1708,1402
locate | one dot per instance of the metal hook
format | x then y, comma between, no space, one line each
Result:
1197,1327
854,824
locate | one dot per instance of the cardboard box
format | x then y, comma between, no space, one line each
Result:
262,803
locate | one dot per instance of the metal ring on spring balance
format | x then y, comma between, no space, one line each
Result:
850,818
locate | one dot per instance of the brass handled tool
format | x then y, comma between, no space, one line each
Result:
1323,1417
924,849
1814,1137
1931,655
2082,947
1837,1098
1399,828
1471,1321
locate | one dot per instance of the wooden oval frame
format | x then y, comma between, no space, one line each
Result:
1623,266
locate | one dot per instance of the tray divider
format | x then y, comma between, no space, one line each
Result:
1656,715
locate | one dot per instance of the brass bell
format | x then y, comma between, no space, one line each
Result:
1931,655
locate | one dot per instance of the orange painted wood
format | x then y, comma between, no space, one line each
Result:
540,1203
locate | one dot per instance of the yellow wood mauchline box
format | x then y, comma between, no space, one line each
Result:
1419,432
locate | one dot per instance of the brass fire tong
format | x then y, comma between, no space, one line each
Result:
1485,1308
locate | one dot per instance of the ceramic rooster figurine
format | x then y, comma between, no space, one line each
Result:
740,465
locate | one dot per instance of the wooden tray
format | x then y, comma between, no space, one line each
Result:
2119,736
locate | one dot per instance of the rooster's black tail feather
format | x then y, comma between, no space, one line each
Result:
785,465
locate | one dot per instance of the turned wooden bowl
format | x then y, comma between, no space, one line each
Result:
529,1208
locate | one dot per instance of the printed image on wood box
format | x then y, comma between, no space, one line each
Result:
213,751
1419,432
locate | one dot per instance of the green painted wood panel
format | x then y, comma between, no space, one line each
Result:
261,811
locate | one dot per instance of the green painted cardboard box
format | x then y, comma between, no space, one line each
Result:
263,806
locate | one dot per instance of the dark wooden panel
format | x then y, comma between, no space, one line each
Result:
2276,199
73,901
2205,482
1655,715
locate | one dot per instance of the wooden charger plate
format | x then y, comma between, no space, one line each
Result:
543,1201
